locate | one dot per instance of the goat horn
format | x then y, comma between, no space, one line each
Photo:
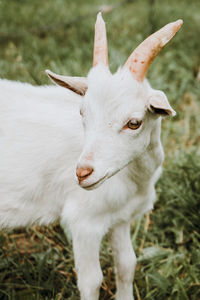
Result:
141,58
100,42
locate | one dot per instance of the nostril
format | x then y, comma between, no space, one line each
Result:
83,173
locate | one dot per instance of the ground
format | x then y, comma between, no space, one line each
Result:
37,263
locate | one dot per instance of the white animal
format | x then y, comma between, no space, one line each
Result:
58,145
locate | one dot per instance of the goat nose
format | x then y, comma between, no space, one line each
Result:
83,173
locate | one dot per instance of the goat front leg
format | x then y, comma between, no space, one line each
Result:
125,261
86,254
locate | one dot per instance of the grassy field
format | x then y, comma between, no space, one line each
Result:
37,263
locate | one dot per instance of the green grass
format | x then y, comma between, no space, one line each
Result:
37,263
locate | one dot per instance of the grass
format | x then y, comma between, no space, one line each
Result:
37,263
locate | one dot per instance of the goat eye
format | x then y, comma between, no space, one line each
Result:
133,124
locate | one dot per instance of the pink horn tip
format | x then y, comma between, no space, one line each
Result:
100,42
141,58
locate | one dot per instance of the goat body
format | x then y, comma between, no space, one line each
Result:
41,140
44,138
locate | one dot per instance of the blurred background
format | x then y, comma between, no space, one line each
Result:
37,263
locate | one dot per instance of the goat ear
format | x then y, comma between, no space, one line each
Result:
158,104
76,84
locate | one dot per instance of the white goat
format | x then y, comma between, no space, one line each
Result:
101,126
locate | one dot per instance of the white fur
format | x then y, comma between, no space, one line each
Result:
43,139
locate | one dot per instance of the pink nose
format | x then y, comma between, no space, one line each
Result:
83,173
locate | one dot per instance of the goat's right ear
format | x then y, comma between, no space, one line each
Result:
76,84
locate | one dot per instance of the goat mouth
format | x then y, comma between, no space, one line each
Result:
95,184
